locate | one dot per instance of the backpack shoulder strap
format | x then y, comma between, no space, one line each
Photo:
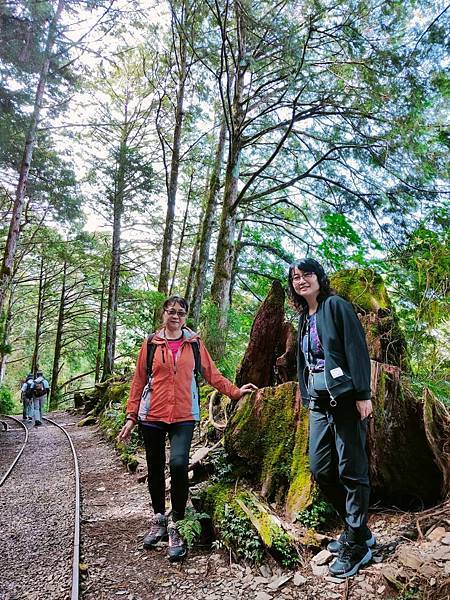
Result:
197,360
150,354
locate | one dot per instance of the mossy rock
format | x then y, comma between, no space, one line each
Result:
362,287
268,434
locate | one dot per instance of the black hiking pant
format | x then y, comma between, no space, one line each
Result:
180,438
338,459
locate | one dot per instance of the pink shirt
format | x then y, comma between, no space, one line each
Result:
174,345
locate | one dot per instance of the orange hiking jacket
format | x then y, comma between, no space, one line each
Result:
172,395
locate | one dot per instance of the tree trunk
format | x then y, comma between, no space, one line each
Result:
182,234
193,267
220,290
207,227
163,283
39,319
236,253
98,356
114,278
5,331
53,404
14,228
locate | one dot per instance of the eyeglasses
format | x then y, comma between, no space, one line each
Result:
172,312
298,276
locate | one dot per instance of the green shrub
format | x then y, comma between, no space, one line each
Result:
7,404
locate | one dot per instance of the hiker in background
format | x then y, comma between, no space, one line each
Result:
334,379
164,400
26,396
41,390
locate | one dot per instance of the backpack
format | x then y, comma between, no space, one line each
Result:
151,348
38,389
29,392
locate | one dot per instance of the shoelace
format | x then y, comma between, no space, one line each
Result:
346,552
174,537
156,526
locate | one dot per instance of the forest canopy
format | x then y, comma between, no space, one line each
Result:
198,147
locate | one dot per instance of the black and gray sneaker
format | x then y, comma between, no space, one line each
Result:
177,546
158,531
335,546
351,557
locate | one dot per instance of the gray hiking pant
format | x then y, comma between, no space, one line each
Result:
338,459
38,406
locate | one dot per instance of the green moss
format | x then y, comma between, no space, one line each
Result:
300,489
362,287
262,433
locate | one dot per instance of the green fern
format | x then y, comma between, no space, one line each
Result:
190,528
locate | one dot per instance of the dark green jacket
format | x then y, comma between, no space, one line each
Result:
347,362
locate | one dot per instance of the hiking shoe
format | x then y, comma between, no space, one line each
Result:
37,424
351,557
158,531
335,546
177,546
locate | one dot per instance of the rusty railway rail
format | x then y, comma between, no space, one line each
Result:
76,536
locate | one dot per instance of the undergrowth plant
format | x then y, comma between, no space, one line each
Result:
190,528
318,515
237,533
7,404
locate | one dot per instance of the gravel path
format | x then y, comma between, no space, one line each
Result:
36,520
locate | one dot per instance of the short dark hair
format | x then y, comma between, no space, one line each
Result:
176,300
312,266
39,374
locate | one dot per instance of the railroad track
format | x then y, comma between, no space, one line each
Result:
8,469
23,440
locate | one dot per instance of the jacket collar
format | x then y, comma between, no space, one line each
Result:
188,336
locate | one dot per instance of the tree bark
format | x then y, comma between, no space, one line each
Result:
193,267
14,227
207,227
163,283
220,290
98,356
258,363
114,278
53,404
5,330
182,234
39,319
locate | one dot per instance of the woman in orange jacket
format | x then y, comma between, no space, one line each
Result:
166,401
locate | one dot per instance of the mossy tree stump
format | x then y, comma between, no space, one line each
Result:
268,434
403,469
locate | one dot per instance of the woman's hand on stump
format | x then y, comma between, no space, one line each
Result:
125,433
247,388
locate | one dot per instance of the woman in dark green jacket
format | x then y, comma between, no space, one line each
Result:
334,378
